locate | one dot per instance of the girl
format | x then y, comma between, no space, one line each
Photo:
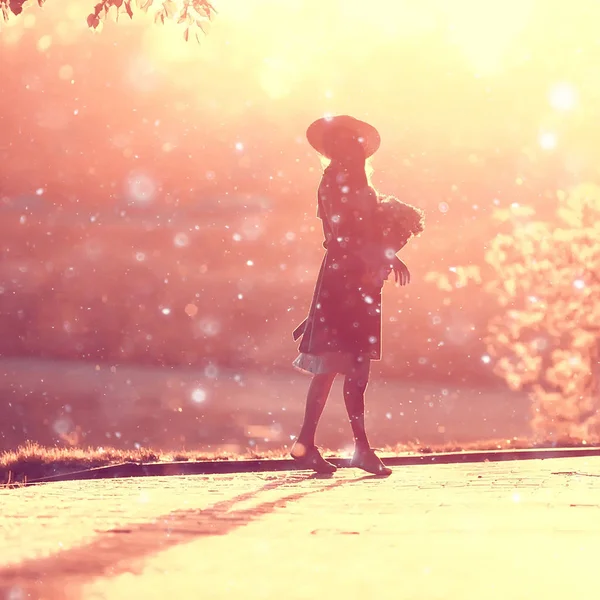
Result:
342,332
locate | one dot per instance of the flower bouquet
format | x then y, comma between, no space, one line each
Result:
398,222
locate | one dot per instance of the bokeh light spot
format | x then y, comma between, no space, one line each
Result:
140,188
191,310
198,395
562,96
548,140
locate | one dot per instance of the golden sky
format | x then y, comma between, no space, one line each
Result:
436,76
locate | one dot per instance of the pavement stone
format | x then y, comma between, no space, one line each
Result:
515,529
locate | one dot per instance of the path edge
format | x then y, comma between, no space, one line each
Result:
222,467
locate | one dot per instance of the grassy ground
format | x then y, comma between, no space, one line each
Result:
32,461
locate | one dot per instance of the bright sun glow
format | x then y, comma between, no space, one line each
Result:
548,140
456,71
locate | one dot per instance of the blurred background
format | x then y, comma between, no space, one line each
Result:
158,230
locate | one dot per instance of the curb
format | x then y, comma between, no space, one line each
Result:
273,465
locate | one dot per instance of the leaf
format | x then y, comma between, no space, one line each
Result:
204,9
186,34
16,6
170,8
203,25
570,217
93,21
128,9
210,9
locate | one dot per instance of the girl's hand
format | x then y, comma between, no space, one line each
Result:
401,272
377,275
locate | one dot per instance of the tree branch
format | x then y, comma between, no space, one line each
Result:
194,14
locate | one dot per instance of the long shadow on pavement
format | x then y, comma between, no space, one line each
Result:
120,550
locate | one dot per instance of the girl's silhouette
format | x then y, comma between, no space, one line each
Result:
342,333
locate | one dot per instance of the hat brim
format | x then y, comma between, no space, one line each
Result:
323,130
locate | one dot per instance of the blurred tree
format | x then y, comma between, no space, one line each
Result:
193,15
545,278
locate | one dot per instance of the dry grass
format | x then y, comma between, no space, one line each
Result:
32,461
485,445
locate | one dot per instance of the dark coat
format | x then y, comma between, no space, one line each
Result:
345,313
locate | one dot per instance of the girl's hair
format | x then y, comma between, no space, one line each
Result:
325,162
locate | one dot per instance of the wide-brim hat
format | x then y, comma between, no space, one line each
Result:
323,132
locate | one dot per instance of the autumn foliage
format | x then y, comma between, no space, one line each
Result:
193,15
544,277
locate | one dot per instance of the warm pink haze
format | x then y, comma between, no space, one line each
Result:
158,197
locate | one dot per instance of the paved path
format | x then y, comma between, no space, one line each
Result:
511,530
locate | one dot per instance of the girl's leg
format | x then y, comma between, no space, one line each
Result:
304,451
355,385
318,392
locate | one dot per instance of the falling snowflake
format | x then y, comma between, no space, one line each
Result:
198,395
